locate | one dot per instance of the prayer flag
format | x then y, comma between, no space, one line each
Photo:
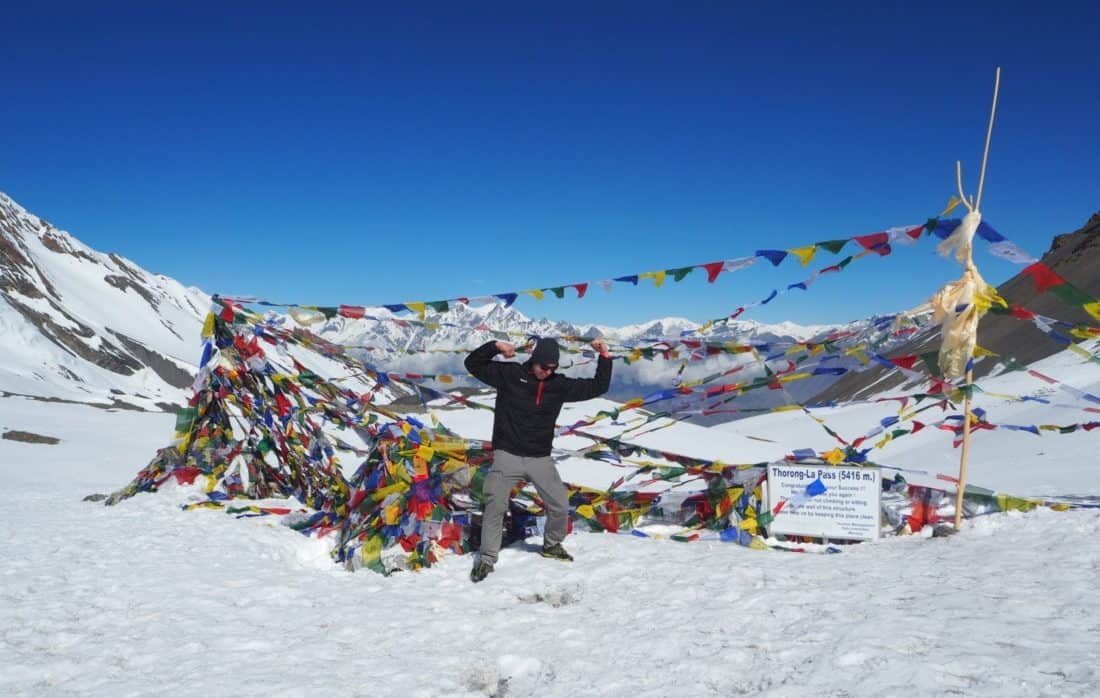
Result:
773,256
804,254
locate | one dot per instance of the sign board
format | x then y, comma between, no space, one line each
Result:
824,501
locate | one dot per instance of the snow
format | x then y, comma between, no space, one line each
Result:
143,597
1010,461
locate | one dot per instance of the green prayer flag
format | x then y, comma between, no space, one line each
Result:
1070,294
931,361
186,418
679,274
833,246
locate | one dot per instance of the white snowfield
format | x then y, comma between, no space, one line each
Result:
143,598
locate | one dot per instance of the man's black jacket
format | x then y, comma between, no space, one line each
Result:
527,408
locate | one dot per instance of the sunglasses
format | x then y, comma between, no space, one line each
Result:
548,367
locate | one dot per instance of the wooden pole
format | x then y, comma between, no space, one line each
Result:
965,450
976,206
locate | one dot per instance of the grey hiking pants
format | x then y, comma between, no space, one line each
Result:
509,469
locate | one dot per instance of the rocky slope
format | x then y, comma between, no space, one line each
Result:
79,325
1074,256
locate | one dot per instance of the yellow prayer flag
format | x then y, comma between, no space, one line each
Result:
384,492
834,456
794,377
1093,309
421,309
535,293
951,204
585,511
980,351
452,465
1009,503
857,352
1082,332
1076,349
804,254
986,298
208,326
425,452
371,550
786,408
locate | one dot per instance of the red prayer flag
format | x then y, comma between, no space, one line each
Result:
874,241
282,404
905,361
1043,276
713,270
355,312
1022,313
186,476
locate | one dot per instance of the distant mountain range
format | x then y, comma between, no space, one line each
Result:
80,325
83,326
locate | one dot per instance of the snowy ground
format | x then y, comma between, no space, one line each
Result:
143,598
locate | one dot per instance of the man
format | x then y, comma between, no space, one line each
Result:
529,399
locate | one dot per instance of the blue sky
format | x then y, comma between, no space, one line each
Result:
368,155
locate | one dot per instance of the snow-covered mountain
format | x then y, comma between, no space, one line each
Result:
469,326
79,325
391,343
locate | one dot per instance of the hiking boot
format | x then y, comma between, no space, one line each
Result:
480,571
556,552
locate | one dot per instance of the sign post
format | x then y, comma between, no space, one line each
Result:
824,501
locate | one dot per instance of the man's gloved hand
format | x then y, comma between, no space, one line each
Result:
601,346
